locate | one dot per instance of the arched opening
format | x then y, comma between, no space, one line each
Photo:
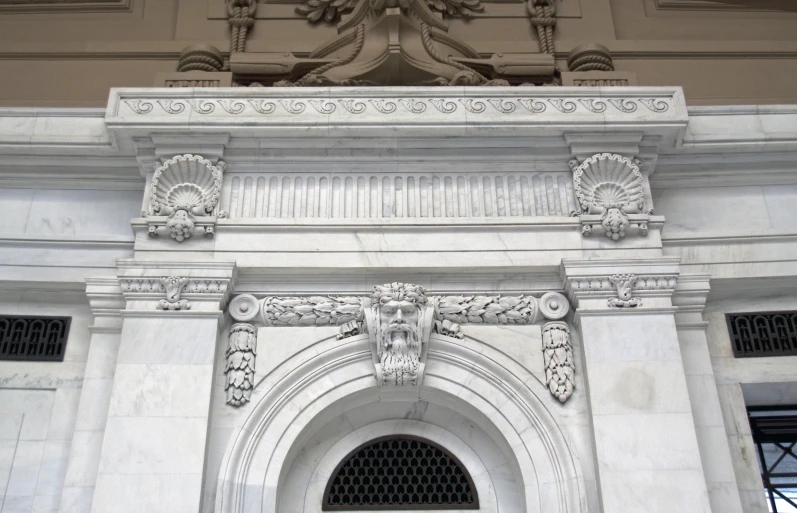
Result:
320,405
400,472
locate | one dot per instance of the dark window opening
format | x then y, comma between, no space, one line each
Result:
775,435
763,334
34,339
400,472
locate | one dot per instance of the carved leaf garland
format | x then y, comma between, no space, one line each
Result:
327,10
464,8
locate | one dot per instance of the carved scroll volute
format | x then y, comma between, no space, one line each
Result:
558,358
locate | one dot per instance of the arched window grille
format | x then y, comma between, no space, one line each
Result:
400,472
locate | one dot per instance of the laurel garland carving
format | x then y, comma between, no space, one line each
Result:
557,355
506,106
240,365
462,8
311,311
338,311
487,309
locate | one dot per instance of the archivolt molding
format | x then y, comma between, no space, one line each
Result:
320,382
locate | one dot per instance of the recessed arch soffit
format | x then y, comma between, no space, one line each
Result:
327,378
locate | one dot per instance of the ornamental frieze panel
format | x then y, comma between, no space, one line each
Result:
399,319
357,106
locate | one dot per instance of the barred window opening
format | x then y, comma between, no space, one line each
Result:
763,334
400,472
35,339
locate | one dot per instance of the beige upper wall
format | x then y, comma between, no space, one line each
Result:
63,54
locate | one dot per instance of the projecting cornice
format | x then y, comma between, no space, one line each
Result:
398,112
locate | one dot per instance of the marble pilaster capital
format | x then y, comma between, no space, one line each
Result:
691,293
621,285
106,302
176,287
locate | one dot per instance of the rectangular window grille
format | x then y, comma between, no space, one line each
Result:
775,435
35,339
763,334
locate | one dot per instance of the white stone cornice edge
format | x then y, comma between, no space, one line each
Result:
317,111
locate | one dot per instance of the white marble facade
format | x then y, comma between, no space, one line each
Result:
217,249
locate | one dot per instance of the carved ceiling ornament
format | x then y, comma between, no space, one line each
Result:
365,52
184,196
609,190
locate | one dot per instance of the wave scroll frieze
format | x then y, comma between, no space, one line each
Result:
358,106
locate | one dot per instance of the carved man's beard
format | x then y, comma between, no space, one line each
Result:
400,352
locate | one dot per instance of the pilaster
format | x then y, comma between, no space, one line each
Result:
644,431
106,301
153,454
690,299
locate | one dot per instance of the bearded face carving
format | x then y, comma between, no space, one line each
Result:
398,310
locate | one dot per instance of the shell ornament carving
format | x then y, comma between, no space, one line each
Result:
610,186
185,189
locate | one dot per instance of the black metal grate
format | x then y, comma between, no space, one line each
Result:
36,339
775,435
763,334
400,472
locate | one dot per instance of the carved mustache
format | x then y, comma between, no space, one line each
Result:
400,326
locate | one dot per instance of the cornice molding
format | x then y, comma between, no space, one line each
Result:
377,111
64,6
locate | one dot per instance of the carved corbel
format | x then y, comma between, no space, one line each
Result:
241,350
625,290
610,193
399,320
184,197
174,286
558,358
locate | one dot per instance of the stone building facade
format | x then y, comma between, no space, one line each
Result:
378,257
